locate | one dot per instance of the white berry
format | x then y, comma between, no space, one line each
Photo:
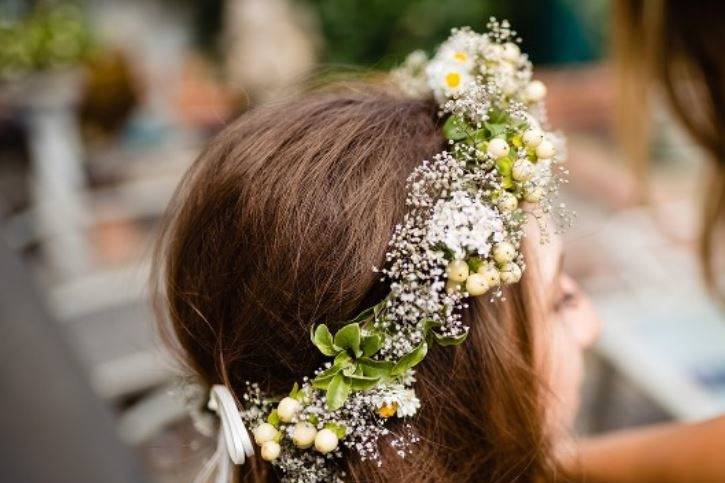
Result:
545,149
489,272
271,450
523,170
497,148
303,435
287,409
325,441
476,285
264,432
507,202
535,91
504,252
532,137
510,273
534,194
457,271
452,287
511,52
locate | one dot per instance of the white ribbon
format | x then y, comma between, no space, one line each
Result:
233,444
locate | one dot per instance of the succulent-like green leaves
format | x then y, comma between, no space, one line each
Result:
430,326
373,368
371,344
322,339
455,128
359,382
353,368
348,339
448,340
337,391
410,360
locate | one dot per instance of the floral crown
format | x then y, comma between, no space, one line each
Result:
460,238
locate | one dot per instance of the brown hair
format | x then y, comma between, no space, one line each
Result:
276,227
679,45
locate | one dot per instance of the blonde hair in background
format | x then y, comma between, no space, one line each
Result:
677,45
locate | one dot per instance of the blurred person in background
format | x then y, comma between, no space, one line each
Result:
677,47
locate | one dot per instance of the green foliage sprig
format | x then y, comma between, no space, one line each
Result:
352,348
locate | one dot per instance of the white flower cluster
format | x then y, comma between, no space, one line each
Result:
460,238
465,224
470,60
403,399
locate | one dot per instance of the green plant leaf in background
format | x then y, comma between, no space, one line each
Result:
322,339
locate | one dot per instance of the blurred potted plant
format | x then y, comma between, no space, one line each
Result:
40,51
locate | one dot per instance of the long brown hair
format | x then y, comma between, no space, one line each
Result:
276,227
677,44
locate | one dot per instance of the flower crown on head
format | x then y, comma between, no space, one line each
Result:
460,238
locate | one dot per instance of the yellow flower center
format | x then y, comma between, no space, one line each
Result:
388,410
453,80
460,56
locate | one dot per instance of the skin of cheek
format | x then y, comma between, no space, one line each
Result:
560,354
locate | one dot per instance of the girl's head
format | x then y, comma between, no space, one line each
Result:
276,227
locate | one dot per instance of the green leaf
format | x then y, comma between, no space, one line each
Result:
373,368
313,419
495,129
498,116
348,338
479,136
504,165
338,429
507,182
371,344
474,263
380,306
362,383
410,360
429,324
454,128
352,370
342,359
337,392
323,379
322,339
447,340
273,418
363,316
447,252
294,393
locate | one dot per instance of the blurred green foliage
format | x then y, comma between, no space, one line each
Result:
44,37
380,33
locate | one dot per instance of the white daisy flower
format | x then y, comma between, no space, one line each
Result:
404,400
447,80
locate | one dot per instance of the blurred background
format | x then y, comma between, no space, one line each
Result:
104,104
